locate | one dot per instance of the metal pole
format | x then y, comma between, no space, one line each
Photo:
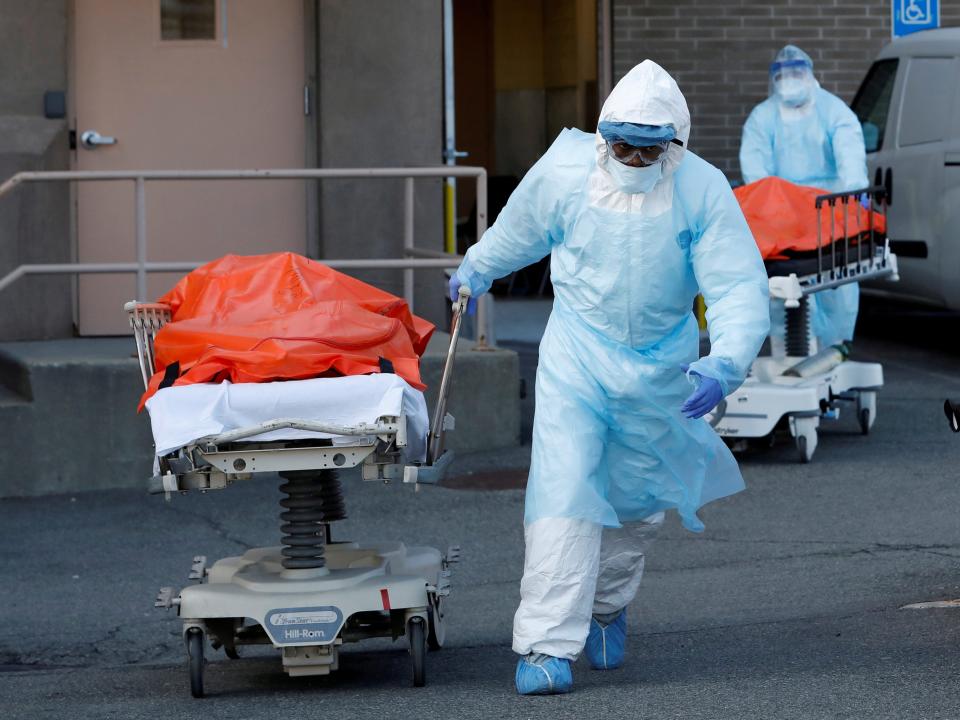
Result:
481,204
859,239
484,310
10,184
132,267
435,441
141,220
426,253
141,267
833,236
819,240
438,171
408,208
845,203
449,131
12,277
606,50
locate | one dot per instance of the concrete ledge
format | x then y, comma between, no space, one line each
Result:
68,419
485,396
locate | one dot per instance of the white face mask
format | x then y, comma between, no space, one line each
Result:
634,180
793,92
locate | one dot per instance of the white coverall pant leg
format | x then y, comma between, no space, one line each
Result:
572,569
622,555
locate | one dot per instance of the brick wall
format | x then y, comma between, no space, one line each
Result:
719,52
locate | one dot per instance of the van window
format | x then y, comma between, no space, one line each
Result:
927,100
872,103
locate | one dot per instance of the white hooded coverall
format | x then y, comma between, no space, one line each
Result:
611,449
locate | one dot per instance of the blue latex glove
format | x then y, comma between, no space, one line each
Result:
704,399
865,201
455,295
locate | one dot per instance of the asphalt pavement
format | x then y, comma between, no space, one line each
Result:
788,606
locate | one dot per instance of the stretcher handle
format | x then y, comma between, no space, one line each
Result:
435,441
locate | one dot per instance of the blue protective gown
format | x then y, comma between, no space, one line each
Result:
820,145
609,442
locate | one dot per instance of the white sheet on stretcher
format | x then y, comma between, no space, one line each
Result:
182,414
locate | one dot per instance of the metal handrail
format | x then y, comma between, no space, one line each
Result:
414,258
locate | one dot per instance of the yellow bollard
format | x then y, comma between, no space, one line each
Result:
700,310
450,218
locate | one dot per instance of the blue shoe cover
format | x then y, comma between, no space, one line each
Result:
606,644
543,675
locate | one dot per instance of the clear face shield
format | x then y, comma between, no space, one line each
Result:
792,82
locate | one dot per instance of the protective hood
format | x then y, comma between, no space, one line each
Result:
649,96
791,78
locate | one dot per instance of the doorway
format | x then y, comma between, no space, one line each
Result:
525,69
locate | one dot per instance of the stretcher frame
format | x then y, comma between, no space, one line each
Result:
382,590
768,397
216,461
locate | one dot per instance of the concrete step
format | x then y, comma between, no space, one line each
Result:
14,380
68,419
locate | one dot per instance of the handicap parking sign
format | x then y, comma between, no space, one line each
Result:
910,16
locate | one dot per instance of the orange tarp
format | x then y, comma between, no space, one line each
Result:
283,317
783,217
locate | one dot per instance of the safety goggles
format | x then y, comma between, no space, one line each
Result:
648,155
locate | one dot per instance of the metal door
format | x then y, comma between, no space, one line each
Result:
185,85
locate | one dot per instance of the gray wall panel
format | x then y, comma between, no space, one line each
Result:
381,104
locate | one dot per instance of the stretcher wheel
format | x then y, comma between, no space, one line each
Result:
802,447
804,431
195,661
437,631
866,410
418,650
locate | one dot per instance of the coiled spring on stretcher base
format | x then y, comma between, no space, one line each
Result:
797,329
314,499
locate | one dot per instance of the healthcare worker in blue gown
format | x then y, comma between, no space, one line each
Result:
635,225
808,136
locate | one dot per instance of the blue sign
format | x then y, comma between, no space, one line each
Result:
910,16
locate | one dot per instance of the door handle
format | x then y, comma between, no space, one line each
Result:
90,139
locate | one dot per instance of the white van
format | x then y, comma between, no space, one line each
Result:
909,107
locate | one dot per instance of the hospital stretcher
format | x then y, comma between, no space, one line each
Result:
799,383
311,594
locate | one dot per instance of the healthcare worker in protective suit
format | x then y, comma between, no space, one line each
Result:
808,136
635,224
